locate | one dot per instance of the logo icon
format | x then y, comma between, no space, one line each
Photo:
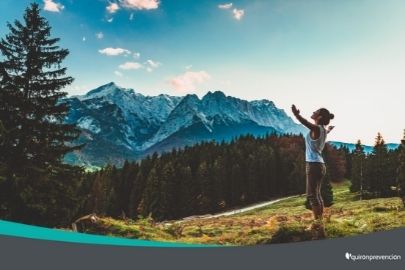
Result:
347,255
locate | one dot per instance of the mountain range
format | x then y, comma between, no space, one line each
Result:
120,123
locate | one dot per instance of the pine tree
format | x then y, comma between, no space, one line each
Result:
219,179
253,178
97,202
235,183
151,195
296,175
358,167
135,196
136,202
32,110
348,159
167,193
32,61
113,180
3,194
205,198
379,168
186,201
127,175
401,171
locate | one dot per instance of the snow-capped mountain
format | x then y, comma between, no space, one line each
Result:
119,123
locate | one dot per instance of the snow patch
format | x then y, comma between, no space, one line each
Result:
89,123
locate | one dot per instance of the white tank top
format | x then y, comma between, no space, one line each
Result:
314,148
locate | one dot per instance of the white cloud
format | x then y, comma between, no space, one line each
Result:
153,64
189,80
188,67
119,74
50,5
83,39
225,6
110,20
112,8
100,35
136,55
140,4
114,51
238,13
131,16
130,65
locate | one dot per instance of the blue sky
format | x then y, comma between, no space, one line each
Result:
345,55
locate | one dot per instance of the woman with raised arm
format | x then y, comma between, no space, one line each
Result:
315,165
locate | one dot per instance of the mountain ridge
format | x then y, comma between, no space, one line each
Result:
133,124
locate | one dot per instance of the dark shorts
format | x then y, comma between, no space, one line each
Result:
315,172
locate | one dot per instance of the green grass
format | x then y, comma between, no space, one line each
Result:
285,221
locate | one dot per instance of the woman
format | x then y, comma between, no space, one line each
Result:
315,165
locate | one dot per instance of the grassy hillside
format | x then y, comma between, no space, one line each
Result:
285,221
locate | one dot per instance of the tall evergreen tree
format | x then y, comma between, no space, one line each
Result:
3,193
151,195
136,202
332,167
31,108
127,175
97,202
206,196
32,62
236,187
358,168
379,168
401,171
219,179
348,159
186,201
167,192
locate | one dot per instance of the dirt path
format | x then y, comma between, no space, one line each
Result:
231,212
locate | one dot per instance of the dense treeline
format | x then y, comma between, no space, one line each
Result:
380,173
207,178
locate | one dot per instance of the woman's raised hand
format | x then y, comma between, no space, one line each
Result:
295,110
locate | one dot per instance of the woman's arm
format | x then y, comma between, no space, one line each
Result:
302,120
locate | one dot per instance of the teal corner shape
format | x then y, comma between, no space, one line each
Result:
9,228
